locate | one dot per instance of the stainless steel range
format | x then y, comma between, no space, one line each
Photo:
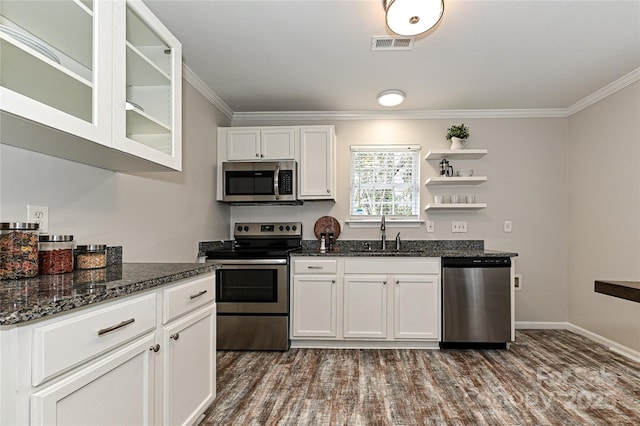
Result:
252,286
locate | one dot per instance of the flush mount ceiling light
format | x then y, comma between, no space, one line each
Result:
412,17
391,97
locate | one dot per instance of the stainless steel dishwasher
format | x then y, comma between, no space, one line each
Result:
476,302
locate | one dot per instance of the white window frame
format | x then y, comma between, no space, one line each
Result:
374,220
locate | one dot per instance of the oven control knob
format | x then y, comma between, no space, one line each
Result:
288,227
246,228
294,227
239,228
281,228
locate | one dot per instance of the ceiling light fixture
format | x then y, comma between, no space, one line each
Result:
412,17
391,97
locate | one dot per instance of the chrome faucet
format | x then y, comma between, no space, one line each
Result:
398,242
383,228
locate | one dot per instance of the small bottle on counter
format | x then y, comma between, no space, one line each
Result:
323,244
55,254
91,256
18,250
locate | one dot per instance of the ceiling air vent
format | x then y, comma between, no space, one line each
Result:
391,43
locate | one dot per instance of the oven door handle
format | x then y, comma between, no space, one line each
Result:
247,262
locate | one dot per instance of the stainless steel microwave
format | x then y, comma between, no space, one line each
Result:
260,182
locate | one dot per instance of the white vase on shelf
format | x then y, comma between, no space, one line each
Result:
457,143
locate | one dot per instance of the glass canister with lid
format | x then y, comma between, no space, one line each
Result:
55,254
91,256
18,250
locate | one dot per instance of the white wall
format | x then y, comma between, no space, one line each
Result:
156,217
526,167
604,214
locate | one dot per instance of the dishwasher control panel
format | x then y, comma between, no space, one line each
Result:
476,262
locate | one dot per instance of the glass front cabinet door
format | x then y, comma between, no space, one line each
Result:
93,81
148,91
55,66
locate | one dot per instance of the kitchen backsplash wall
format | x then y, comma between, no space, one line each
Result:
156,217
526,166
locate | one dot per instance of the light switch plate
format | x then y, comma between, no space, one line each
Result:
507,226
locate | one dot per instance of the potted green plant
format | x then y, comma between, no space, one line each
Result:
458,135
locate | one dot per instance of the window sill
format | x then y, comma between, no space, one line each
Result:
391,223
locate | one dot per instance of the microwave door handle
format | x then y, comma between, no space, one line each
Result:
276,183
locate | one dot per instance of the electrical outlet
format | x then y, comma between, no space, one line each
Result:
507,226
431,226
39,215
457,227
517,281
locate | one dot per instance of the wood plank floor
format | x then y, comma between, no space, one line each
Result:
548,377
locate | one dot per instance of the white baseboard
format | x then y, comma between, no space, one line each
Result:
540,325
613,346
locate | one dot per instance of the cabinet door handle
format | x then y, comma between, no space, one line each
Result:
257,155
115,327
175,336
155,348
328,191
193,296
397,281
261,155
315,267
384,282
333,281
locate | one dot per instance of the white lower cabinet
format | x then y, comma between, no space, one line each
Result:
365,299
146,359
416,307
117,390
314,298
314,306
189,366
365,306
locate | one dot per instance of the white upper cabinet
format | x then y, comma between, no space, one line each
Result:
317,166
254,144
147,86
51,69
62,90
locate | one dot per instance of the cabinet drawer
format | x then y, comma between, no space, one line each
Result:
64,344
186,297
406,265
314,266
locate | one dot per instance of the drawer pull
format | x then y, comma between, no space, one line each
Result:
115,327
155,348
315,267
175,336
193,296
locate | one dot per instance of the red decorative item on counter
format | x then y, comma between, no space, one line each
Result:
56,254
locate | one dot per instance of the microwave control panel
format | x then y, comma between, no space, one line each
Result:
286,182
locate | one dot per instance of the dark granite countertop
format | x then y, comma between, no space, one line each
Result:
45,295
409,248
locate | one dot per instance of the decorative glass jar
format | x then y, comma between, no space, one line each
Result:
18,250
91,256
56,254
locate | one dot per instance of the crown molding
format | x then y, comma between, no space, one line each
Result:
396,115
607,90
197,83
309,116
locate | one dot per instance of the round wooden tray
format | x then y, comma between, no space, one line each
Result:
327,224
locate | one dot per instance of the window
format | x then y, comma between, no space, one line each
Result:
385,181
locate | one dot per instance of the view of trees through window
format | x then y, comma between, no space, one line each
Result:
384,181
